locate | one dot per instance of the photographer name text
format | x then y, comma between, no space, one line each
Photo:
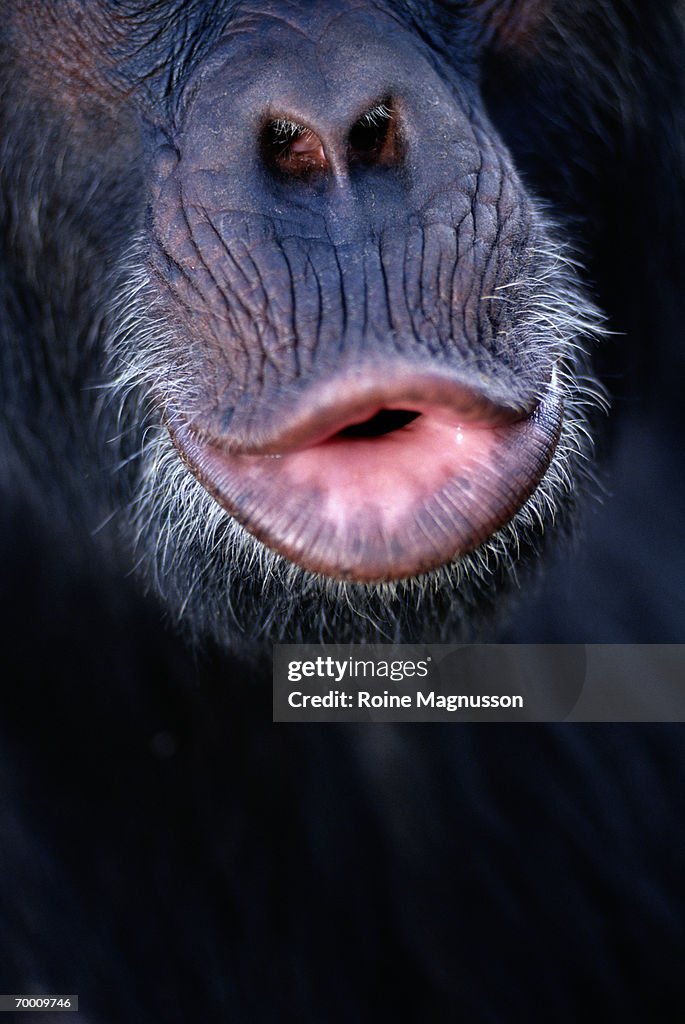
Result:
364,699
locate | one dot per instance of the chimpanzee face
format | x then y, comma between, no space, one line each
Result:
350,344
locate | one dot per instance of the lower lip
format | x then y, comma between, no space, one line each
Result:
384,508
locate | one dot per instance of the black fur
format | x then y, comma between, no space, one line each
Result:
168,853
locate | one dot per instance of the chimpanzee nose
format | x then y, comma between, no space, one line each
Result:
294,148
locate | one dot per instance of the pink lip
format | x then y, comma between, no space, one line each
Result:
379,508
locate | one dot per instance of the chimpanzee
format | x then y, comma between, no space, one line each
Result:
311,315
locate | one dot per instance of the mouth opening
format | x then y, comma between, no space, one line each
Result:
387,421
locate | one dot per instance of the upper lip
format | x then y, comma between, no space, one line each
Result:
327,407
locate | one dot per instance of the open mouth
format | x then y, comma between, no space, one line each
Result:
383,481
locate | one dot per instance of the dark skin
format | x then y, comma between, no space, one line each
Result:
341,307
179,248
325,264
303,249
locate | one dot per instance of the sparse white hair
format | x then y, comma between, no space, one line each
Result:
215,576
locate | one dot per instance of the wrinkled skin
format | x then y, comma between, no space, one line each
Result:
275,260
297,298
321,267
165,850
323,292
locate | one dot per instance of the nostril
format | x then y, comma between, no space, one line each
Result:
384,422
374,138
293,149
